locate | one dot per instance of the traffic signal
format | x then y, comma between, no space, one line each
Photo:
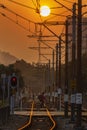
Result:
13,81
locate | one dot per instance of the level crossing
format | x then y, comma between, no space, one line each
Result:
42,114
40,122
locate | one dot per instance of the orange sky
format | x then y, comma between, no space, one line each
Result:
14,39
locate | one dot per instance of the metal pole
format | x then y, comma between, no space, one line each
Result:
79,65
53,77
56,98
46,78
59,77
56,66
59,82
49,82
73,82
66,73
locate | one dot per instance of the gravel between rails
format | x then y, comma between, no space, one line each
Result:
14,122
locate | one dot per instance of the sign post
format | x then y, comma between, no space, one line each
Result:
73,99
59,93
3,76
79,98
13,88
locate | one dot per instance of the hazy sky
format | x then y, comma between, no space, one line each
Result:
13,38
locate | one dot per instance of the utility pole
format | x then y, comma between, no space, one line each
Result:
56,96
73,81
56,66
59,75
49,80
46,78
53,77
66,72
79,65
59,82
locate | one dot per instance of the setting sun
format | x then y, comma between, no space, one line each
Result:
44,11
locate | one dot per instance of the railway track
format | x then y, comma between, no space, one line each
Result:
39,122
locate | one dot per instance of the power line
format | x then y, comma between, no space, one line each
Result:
68,1
22,4
63,6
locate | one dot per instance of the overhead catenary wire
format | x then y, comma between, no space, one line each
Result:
32,21
34,3
26,18
68,1
17,19
6,8
21,4
16,22
29,21
63,5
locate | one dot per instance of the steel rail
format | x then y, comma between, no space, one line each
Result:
30,119
51,118
29,122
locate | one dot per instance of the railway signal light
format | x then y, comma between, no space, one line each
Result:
13,81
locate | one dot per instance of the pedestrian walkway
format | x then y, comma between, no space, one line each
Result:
44,113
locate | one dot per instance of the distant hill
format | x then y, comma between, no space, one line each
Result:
6,58
33,75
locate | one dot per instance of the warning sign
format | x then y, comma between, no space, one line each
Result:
73,96
79,98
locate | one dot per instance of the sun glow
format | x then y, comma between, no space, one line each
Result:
45,11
